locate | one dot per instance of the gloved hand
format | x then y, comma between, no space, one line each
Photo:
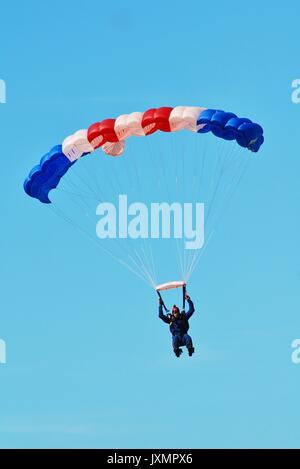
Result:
187,297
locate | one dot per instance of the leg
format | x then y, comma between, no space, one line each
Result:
187,340
176,343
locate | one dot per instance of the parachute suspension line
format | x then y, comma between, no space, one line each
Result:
84,182
140,268
193,180
215,183
72,186
82,204
69,193
78,200
153,159
197,187
87,177
187,261
112,179
81,201
146,247
56,163
86,233
183,156
143,257
180,258
196,255
145,271
94,171
189,179
85,198
68,185
232,185
159,161
201,154
149,258
218,181
199,255
94,175
178,243
219,173
145,260
115,241
131,174
178,152
200,182
153,264
235,171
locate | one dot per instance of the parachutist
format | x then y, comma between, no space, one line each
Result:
179,326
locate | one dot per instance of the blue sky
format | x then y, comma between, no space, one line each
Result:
88,362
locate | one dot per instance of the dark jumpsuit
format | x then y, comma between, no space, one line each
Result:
180,337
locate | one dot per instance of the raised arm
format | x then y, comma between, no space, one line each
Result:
191,307
161,315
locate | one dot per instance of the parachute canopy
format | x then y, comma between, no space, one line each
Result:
161,198
110,135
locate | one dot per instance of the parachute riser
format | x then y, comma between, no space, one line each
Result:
183,298
162,302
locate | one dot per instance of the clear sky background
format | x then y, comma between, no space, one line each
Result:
88,362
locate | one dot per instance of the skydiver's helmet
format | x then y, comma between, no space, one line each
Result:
175,310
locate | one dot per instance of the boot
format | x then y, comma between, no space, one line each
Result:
191,350
178,352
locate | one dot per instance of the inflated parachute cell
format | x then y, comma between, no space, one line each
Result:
156,119
110,135
228,126
47,174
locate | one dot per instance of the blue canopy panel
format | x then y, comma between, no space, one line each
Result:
46,175
228,126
